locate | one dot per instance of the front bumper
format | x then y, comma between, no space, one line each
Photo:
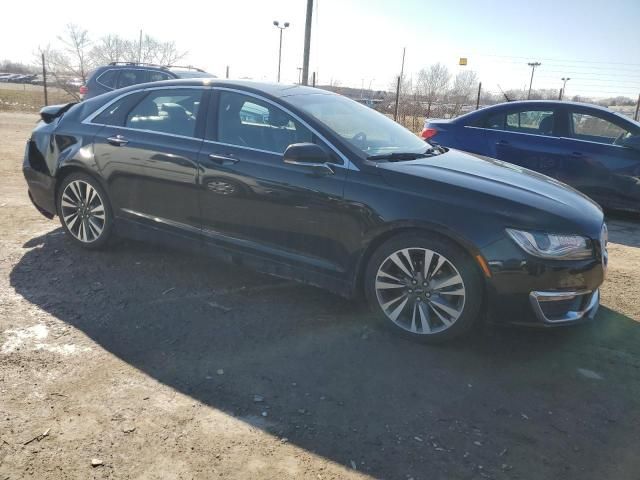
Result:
525,290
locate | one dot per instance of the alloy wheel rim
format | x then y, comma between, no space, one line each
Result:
83,211
420,291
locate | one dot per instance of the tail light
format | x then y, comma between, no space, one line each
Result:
428,133
84,90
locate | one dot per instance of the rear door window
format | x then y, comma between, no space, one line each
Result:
537,122
172,111
156,76
131,77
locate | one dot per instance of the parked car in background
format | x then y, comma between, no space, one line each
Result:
591,148
302,183
124,74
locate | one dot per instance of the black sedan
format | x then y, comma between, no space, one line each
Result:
591,148
305,184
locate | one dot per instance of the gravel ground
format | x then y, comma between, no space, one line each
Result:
153,363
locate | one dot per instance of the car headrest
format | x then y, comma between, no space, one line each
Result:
174,110
278,119
546,125
148,108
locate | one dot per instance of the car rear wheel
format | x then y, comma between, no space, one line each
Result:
424,287
84,211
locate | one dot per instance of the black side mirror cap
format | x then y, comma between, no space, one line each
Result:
305,154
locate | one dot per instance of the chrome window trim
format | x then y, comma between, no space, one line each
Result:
348,164
592,142
509,131
536,297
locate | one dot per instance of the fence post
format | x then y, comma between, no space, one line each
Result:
313,79
44,81
478,99
635,117
395,112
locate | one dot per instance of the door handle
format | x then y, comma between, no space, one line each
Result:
223,159
502,142
576,154
117,140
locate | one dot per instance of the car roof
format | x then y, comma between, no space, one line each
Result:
540,103
277,90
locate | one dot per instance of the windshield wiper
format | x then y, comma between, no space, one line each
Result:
399,156
407,155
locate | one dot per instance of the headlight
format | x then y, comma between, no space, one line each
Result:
546,245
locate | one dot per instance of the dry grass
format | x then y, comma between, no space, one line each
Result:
29,98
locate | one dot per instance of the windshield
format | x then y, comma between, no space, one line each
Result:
364,128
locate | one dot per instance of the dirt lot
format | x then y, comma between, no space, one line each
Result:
22,97
163,365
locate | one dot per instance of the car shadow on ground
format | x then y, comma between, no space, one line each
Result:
337,386
624,228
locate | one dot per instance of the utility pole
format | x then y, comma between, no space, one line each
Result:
44,83
307,43
277,25
140,48
533,66
395,114
299,75
478,99
635,117
564,86
227,75
313,79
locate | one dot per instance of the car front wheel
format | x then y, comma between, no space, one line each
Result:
424,287
84,211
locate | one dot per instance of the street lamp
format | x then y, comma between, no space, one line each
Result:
277,25
564,85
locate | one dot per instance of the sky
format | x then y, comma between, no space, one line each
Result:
359,43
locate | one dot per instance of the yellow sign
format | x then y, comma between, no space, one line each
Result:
463,61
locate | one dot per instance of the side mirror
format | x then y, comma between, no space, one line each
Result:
308,155
632,142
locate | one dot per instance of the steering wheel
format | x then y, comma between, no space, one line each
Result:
360,137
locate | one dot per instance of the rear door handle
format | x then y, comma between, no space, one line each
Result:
502,142
117,140
223,159
576,154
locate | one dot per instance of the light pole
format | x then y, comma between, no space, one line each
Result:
533,66
277,25
564,86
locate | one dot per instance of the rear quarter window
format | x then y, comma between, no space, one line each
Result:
108,78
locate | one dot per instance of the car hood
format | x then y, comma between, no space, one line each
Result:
507,188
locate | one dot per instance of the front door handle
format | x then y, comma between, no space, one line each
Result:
223,159
117,140
576,154
502,142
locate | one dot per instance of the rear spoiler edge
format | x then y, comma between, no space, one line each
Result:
51,112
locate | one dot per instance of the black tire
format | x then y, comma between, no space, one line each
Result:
90,213
457,261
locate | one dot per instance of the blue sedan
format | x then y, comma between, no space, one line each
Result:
591,148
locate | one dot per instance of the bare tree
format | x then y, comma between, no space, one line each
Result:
70,64
464,86
113,48
110,48
432,84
